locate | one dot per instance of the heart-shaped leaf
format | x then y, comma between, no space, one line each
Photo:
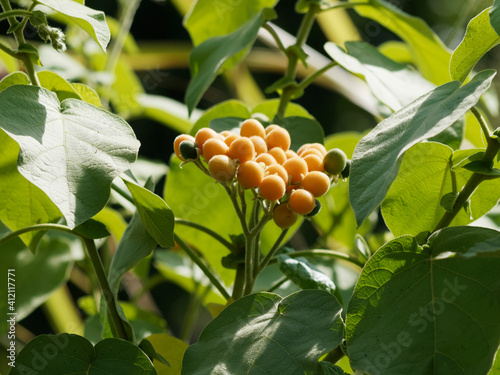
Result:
71,150
73,354
266,333
377,156
416,311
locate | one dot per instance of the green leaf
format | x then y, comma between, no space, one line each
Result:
208,19
479,38
15,78
90,20
394,84
172,349
429,170
21,203
156,216
430,54
87,94
166,111
331,369
482,167
229,108
207,58
269,108
36,275
71,150
487,248
57,84
412,312
302,130
32,51
377,156
73,354
264,333
135,245
451,136
495,16
227,123
300,273
92,229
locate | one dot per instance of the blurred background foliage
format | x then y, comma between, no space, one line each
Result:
152,75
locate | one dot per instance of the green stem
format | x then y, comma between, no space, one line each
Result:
19,36
207,271
148,285
335,355
323,253
482,122
31,228
279,283
8,51
310,79
249,247
293,59
239,281
15,13
275,36
274,249
107,294
470,186
123,193
206,230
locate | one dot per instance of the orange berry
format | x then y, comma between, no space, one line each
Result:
259,144
265,158
302,148
252,127
297,168
319,147
213,147
250,174
203,135
277,170
301,201
311,151
222,168
317,183
284,217
230,139
242,149
177,143
272,187
291,154
271,127
314,162
278,154
279,138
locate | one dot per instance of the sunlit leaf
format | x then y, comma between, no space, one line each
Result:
71,150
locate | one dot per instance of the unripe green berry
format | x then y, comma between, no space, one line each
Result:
335,161
188,150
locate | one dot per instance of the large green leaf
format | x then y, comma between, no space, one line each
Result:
394,84
21,203
263,333
90,20
495,16
71,150
429,53
302,130
232,108
73,354
156,216
426,173
377,156
36,275
207,19
479,38
170,348
55,83
207,58
15,78
415,312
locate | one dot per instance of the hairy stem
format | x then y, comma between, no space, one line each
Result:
206,230
323,253
272,252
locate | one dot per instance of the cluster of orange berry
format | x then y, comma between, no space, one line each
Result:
261,158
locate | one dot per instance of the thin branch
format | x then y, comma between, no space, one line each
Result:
206,230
